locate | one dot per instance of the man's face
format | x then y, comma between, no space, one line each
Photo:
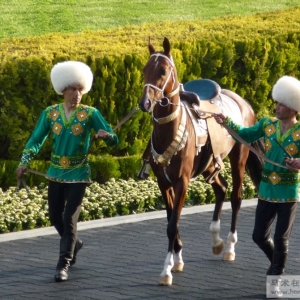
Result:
73,94
283,112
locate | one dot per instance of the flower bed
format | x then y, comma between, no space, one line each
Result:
20,210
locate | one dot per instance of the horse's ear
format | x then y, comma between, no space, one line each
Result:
151,47
167,46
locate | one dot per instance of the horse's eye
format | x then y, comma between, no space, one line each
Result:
163,72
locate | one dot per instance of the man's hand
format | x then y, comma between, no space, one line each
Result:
21,171
293,162
102,134
220,118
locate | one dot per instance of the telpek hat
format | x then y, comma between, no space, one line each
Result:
287,92
68,73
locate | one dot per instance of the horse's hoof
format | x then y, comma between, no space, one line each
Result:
165,280
218,249
178,267
229,256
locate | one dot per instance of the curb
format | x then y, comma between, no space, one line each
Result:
25,234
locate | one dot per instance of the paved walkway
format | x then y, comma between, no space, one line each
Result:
122,258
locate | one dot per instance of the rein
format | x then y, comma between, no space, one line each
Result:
22,179
237,137
242,141
125,119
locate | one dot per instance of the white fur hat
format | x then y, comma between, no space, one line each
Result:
68,73
287,92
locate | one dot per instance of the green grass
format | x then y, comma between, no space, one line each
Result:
23,18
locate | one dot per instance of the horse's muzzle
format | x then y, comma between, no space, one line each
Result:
145,103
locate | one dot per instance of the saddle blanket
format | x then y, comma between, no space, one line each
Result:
228,107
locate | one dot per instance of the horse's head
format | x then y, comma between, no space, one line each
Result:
160,78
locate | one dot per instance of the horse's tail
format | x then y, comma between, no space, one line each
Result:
254,163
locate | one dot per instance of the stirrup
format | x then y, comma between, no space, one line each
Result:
145,170
211,178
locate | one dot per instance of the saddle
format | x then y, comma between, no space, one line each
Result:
203,97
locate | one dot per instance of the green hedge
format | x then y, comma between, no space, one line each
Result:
246,55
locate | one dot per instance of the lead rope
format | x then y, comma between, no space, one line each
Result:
242,141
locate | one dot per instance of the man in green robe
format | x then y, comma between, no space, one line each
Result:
69,124
278,191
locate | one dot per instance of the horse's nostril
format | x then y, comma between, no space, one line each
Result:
147,105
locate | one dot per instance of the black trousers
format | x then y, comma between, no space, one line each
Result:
64,202
264,218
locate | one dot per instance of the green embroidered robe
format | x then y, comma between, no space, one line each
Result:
277,184
70,141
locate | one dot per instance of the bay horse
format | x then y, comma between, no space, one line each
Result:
175,159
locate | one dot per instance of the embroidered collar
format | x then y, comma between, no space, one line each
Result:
66,122
280,138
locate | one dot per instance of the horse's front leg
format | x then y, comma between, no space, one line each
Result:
178,260
173,262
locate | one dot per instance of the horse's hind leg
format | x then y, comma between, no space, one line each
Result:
219,186
238,171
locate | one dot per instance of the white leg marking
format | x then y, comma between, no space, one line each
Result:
166,276
178,262
217,242
168,265
215,230
229,253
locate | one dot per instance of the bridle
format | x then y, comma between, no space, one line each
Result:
164,98
180,138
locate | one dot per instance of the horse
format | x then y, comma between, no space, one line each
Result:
175,159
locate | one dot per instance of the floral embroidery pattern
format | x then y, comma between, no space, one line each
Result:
77,129
54,114
291,149
82,115
57,128
296,135
64,162
268,145
269,130
274,178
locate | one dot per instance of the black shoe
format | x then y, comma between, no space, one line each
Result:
269,272
61,274
78,246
